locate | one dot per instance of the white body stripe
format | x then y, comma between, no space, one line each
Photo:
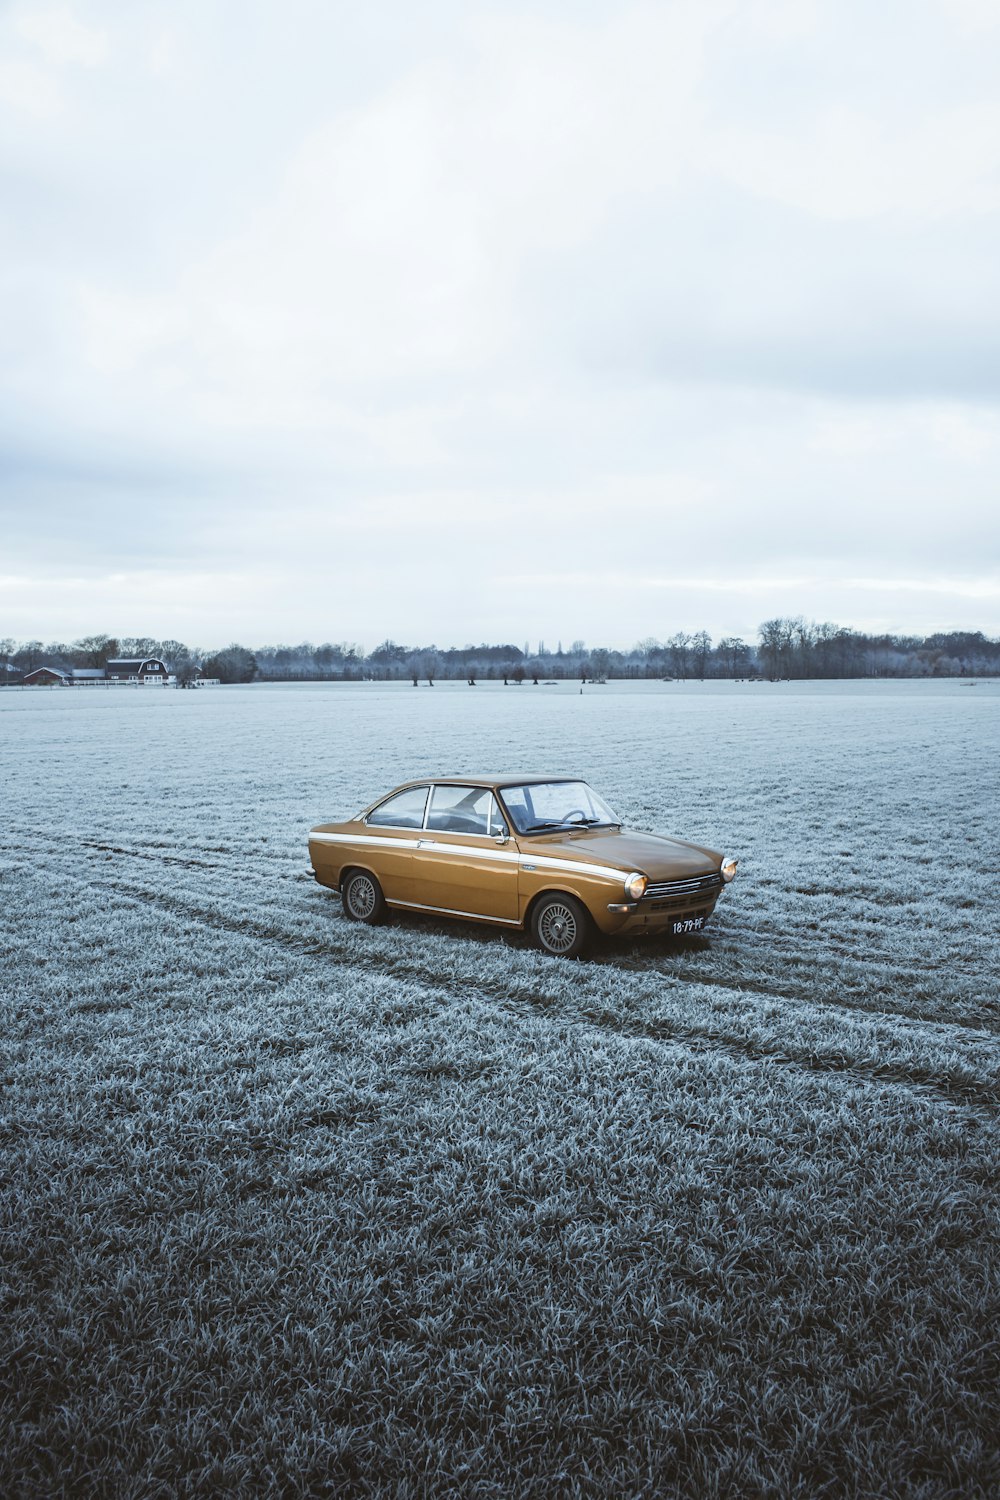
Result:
550,862
363,838
497,855
500,856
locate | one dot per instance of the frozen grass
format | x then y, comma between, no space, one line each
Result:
294,1207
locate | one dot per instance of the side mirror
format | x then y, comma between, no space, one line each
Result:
502,836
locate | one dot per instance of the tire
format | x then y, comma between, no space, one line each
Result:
560,926
363,899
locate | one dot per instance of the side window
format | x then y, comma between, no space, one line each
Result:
459,809
404,810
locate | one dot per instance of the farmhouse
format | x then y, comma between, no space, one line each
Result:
136,671
149,670
46,677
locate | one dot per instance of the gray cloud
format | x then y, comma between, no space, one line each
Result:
700,299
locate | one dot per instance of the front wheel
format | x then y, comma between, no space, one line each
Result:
560,927
362,897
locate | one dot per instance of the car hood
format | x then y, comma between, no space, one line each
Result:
653,854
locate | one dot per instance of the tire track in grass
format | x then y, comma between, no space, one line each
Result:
188,863
747,937
767,987
154,853
859,922
213,916
774,989
897,974
816,1059
969,1093
158,858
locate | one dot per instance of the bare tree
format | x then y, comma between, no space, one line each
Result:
679,648
425,663
96,650
137,645
29,655
701,646
389,659
775,643
234,664
803,637
180,661
735,656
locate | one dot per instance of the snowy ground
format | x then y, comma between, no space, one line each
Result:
416,1210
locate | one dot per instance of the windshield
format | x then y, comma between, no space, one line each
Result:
543,805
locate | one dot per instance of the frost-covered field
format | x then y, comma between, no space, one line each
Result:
293,1207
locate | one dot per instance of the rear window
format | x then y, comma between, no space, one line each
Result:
402,810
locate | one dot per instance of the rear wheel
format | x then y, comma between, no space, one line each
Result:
362,897
560,926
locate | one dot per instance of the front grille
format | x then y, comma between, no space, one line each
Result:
696,885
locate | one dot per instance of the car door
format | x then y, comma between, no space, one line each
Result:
390,839
465,860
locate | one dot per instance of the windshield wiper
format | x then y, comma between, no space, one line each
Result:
570,823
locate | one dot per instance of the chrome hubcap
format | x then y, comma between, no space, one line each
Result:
361,897
557,928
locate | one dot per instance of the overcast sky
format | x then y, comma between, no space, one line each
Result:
459,322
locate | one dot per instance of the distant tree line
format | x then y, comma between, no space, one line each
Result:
785,648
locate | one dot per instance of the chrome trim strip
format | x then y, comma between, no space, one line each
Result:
368,839
448,911
501,856
686,885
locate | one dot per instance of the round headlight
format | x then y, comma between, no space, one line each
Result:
728,870
635,887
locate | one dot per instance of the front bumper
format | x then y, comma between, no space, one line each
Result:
659,918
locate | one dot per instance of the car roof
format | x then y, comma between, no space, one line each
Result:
490,778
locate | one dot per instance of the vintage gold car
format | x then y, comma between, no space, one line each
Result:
544,853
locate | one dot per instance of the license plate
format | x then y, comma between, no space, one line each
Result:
686,924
